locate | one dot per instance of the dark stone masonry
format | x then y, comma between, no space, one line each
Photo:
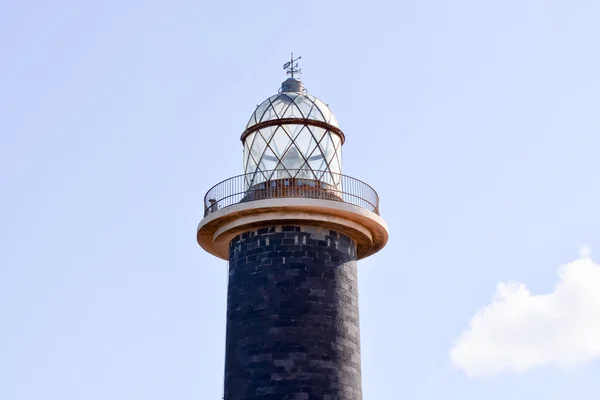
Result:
292,316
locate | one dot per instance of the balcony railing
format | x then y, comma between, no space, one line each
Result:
291,184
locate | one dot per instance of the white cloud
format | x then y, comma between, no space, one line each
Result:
519,330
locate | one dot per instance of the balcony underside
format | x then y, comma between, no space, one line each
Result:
366,227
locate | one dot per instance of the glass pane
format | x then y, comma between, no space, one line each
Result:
280,142
251,165
317,163
293,129
258,147
258,114
293,112
315,113
305,172
314,152
326,145
288,110
320,174
280,104
317,132
267,132
281,172
331,155
324,110
292,159
337,141
327,149
305,105
268,160
335,165
258,177
305,142
269,113
249,140
246,153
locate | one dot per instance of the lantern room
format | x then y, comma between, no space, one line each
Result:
293,135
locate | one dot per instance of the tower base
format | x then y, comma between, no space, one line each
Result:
292,315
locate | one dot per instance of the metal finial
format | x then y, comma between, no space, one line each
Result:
291,67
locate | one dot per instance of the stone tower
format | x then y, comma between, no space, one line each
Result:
292,228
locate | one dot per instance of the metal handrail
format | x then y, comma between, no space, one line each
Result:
271,184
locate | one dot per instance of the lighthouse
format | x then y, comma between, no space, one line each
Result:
292,227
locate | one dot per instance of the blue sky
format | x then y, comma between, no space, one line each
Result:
477,122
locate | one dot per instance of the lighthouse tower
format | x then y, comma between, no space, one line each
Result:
292,228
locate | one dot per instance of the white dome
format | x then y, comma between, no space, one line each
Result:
292,105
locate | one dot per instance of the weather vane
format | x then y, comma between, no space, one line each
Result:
291,67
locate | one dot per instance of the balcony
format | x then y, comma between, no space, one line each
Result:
277,184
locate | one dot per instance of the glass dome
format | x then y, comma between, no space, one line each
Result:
292,105
293,135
